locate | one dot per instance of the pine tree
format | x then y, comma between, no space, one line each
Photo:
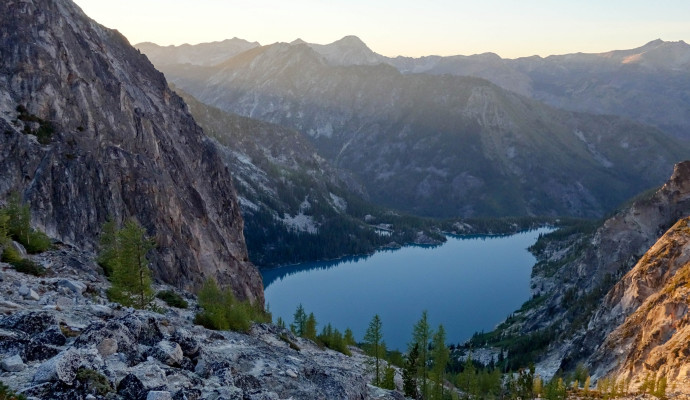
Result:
410,372
421,334
280,323
440,356
373,338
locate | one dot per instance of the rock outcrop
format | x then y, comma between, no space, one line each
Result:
649,306
101,350
91,131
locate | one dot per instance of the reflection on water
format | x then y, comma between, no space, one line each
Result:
468,284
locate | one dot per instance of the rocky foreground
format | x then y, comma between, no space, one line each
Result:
60,338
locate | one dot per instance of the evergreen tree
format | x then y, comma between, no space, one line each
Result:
299,321
350,338
310,327
421,334
373,339
440,356
388,381
125,253
280,323
410,372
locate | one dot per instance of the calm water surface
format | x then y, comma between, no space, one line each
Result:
468,285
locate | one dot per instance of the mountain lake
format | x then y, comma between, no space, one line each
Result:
468,284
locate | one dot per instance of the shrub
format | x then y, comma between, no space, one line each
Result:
10,255
19,226
221,311
7,394
27,266
94,381
172,299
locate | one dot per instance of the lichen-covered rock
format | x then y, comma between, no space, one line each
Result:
168,353
31,323
130,387
117,143
62,367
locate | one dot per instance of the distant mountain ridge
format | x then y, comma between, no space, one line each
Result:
647,84
439,145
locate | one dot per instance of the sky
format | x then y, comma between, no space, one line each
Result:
414,28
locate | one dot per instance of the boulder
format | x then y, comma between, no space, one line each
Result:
167,352
13,364
107,347
30,322
75,286
158,395
62,367
130,387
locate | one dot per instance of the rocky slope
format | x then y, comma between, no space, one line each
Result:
61,339
439,145
587,285
649,306
113,142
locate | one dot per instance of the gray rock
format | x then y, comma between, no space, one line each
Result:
75,286
33,295
23,290
64,302
169,353
158,395
101,311
107,347
62,367
13,364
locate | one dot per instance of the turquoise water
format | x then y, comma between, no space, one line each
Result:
467,284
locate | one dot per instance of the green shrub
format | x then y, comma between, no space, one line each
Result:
221,311
27,266
19,226
172,299
94,381
10,255
7,394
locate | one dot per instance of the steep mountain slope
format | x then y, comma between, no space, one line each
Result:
114,142
296,207
439,145
585,285
199,54
649,305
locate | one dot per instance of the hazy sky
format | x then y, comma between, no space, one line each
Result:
511,28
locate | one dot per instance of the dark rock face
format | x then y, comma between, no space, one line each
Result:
120,145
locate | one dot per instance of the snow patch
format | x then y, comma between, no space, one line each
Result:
300,223
338,202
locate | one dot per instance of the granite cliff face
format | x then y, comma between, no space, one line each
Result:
649,306
116,142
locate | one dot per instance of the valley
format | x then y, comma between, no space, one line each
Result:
461,226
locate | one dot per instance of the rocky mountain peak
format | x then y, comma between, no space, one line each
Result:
116,143
350,50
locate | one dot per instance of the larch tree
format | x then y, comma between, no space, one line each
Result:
125,252
440,356
373,339
421,335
